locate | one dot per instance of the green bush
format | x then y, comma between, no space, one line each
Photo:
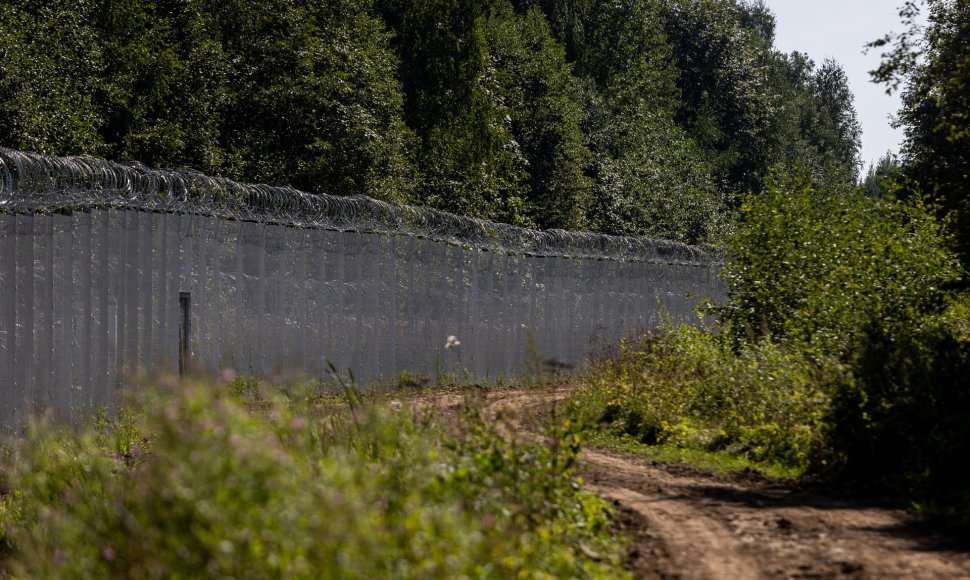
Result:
290,491
816,268
686,387
843,348
870,282
906,422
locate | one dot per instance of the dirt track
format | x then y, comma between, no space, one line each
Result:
692,524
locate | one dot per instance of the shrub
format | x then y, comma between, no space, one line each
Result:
816,268
687,387
872,283
843,348
906,422
293,492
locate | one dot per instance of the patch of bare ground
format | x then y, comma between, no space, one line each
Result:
689,523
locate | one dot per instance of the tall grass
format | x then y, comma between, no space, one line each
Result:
842,349
685,387
195,483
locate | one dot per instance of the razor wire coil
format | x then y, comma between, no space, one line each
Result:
32,182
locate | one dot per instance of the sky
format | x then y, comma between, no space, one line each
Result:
840,29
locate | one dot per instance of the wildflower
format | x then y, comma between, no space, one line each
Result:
226,376
452,342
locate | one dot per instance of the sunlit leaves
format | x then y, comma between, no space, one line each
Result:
50,63
933,65
546,114
818,267
641,117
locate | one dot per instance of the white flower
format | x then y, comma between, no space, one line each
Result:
452,342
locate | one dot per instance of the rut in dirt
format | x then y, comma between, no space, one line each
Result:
692,524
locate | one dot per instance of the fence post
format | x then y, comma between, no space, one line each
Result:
113,355
185,331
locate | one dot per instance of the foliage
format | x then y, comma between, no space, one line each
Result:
164,87
755,109
719,461
842,349
50,68
933,66
546,113
651,178
724,106
470,160
316,102
293,491
686,388
880,180
905,423
818,268
296,93
642,117
897,415
843,344
818,132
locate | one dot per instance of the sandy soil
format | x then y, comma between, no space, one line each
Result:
693,524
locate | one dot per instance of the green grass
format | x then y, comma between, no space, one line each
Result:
684,388
719,461
195,479
892,418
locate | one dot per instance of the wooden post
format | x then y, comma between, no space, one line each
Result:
185,332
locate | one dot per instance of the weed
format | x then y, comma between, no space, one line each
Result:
688,388
843,348
292,491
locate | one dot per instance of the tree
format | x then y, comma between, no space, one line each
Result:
315,102
648,176
50,68
634,117
544,102
933,66
726,104
879,180
755,109
822,269
837,134
816,131
756,16
469,160
165,88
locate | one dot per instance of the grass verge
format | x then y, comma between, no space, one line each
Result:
719,461
683,388
195,481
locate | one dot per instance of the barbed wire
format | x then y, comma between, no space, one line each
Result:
32,182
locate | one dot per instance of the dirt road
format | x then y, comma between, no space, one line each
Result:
692,524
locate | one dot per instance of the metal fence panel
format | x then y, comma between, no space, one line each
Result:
100,261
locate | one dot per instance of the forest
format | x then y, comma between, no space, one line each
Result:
646,117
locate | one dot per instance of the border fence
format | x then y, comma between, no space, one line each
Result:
112,269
